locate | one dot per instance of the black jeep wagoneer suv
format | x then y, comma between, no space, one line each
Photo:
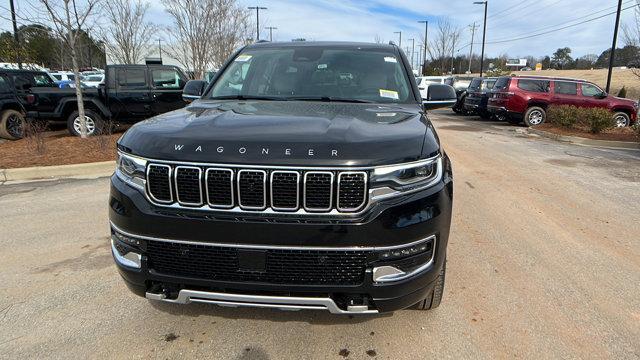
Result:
304,176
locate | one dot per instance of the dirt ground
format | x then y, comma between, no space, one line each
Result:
59,149
543,262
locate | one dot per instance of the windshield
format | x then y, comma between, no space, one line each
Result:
316,73
94,78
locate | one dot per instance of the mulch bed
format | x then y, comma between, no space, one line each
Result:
620,134
60,148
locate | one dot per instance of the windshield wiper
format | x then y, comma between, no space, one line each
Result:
248,97
330,99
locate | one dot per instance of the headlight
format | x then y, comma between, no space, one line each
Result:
131,170
406,178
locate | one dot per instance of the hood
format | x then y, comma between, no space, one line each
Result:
298,133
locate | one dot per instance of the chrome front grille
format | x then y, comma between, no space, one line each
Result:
238,189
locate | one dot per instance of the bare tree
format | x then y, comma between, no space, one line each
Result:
443,42
377,39
127,34
631,31
205,32
68,17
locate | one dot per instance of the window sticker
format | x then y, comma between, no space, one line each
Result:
390,59
389,94
243,58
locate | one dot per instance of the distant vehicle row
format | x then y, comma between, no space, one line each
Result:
527,98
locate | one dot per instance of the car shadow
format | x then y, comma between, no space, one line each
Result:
316,317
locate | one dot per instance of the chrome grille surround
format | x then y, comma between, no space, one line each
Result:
304,194
373,194
264,189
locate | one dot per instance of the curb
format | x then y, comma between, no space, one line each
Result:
589,142
88,170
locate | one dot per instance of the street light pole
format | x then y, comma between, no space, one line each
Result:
419,56
257,9
15,34
612,56
426,32
400,43
271,28
160,48
484,33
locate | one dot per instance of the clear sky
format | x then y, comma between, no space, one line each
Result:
359,20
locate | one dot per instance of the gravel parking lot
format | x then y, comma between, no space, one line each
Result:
543,262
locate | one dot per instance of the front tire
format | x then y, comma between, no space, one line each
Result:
94,123
535,115
433,300
11,125
621,119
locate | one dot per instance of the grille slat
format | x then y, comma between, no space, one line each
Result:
285,190
283,266
219,187
318,190
188,185
351,190
159,183
252,192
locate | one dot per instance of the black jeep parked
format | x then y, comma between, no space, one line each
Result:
305,176
130,93
15,87
478,96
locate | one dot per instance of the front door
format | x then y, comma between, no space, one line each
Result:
166,89
592,96
132,93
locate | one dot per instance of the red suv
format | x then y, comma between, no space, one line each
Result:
527,98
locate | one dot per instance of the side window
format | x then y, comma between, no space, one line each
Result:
21,82
502,83
71,77
566,88
42,80
590,90
541,86
132,78
166,79
4,84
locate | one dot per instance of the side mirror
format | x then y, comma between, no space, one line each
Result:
193,90
602,95
439,96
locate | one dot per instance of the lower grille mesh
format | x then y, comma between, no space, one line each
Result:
283,266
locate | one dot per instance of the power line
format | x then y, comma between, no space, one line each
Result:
507,9
509,19
575,19
558,29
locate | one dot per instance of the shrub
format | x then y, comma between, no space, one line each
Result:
563,115
623,92
596,119
34,132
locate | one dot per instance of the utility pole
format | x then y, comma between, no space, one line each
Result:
15,34
399,43
473,33
426,32
257,9
484,32
271,28
612,56
160,48
90,45
419,57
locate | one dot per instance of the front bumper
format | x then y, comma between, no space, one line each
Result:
393,223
